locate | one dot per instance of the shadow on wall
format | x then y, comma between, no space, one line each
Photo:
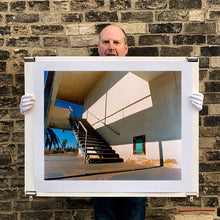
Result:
159,120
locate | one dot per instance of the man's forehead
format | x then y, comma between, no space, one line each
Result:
112,32
109,38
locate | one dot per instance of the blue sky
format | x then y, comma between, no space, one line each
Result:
78,109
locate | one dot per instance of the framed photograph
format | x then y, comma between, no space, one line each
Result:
111,126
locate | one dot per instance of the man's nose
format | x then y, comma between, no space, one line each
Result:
111,45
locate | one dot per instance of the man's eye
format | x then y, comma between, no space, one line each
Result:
105,42
116,42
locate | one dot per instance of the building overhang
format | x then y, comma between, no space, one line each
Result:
74,86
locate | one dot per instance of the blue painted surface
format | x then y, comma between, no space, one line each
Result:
139,146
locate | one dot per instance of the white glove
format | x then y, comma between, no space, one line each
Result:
27,102
197,100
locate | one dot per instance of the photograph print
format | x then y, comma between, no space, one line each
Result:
112,125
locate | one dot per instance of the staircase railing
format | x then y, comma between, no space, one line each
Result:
85,150
78,130
99,120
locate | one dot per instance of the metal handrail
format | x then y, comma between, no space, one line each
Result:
80,123
78,127
74,120
72,111
99,120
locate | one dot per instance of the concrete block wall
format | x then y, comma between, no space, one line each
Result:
70,27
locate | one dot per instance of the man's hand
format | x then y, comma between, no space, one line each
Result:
27,102
197,100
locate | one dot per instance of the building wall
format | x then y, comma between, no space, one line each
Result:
61,27
132,106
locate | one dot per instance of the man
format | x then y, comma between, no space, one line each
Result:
113,42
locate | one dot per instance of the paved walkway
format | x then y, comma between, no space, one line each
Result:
73,168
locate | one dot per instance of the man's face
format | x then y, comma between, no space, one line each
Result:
111,42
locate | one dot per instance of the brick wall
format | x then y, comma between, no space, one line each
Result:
70,27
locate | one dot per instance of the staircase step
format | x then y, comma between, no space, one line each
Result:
90,131
93,145
92,141
105,160
83,134
101,150
90,137
97,147
105,155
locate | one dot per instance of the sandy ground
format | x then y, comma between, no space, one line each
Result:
59,167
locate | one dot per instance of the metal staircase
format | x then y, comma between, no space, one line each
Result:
94,148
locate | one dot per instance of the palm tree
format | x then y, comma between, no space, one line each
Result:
63,145
51,139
